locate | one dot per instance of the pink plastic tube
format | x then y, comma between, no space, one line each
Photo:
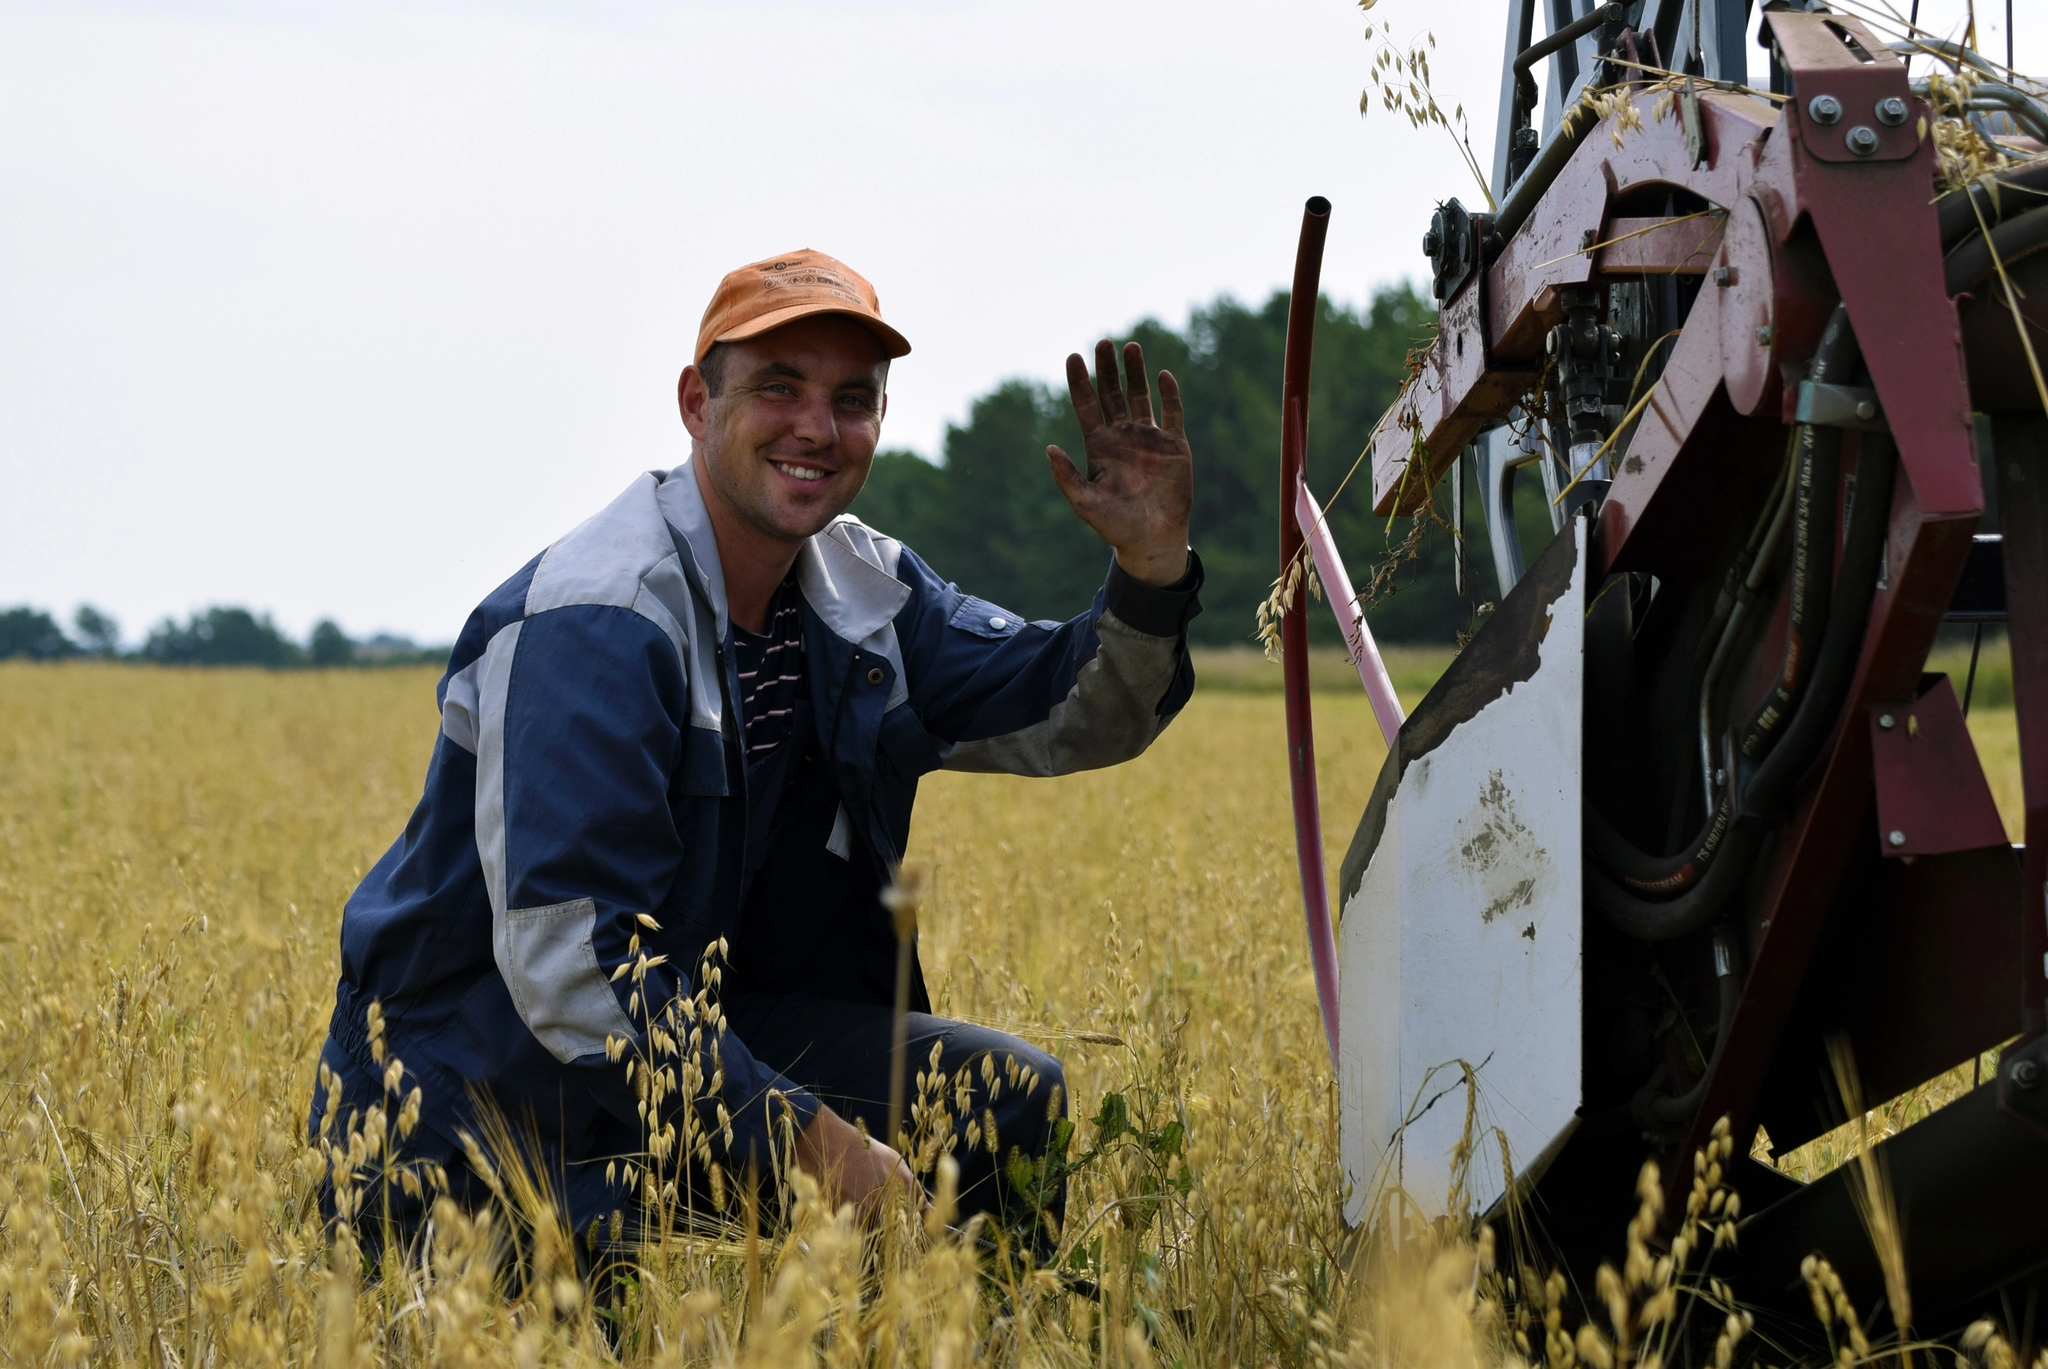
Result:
1365,653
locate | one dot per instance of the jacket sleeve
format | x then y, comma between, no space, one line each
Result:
1001,694
581,731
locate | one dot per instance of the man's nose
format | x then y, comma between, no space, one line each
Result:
817,422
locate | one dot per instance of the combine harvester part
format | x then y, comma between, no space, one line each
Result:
1686,830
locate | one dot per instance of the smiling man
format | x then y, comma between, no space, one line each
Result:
700,718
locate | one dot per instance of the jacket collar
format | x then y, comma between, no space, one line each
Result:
839,570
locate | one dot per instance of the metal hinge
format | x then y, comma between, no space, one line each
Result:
1840,406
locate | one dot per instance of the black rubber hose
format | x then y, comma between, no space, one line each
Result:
1653,1111
1636,869
1691,910
1770,785
1813,547
1972,264
2016,192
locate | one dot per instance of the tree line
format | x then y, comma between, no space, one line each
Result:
986,513
220,635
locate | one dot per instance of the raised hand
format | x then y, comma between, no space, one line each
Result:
1140,477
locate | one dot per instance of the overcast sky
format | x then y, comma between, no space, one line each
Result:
347,310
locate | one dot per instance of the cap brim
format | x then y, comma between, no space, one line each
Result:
894,344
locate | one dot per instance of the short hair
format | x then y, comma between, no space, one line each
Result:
712,367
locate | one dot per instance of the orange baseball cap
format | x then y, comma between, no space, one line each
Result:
767,294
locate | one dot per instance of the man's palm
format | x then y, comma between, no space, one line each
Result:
1139,483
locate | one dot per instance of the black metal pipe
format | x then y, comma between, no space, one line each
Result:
1525,84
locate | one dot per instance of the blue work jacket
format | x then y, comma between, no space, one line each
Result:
588,787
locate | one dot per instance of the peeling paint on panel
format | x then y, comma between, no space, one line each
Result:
1482,789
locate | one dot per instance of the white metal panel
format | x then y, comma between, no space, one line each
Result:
1462,943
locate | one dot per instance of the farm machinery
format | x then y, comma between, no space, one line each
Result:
1687,832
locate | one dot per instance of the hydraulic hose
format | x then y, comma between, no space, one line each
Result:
1770,784
1764,796
1962,213
1662,875
1973,263
1813,535
1654,1111
1810,500
1695,908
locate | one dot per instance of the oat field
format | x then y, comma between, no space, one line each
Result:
175,848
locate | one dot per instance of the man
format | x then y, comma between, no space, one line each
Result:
702,715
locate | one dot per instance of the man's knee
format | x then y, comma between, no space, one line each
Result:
1035,1099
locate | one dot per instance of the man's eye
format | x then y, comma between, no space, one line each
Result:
860,402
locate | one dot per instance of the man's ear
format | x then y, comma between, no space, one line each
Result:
693,397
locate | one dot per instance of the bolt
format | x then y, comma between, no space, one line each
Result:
2025,1074
1824,109
1862,140
1865,410
1763,335
1897,838
1431,243
1587,239
1886,721
1891,111
1724,276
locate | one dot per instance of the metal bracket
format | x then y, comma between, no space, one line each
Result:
2023,1083
1452,245
1695,132
1840,406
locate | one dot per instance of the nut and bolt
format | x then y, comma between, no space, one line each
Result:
1887,721
1824,109
1862,140
1897,838
1891,111
1431,243
1865,410
1763,335
2025,1074
1724,276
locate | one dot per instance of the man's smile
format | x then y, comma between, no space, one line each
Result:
797,472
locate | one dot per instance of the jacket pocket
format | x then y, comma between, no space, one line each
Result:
551,969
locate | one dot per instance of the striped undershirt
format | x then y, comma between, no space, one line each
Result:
771,671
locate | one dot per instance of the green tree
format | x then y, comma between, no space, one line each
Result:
330,646
989,516
98,633
221,636
31,633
